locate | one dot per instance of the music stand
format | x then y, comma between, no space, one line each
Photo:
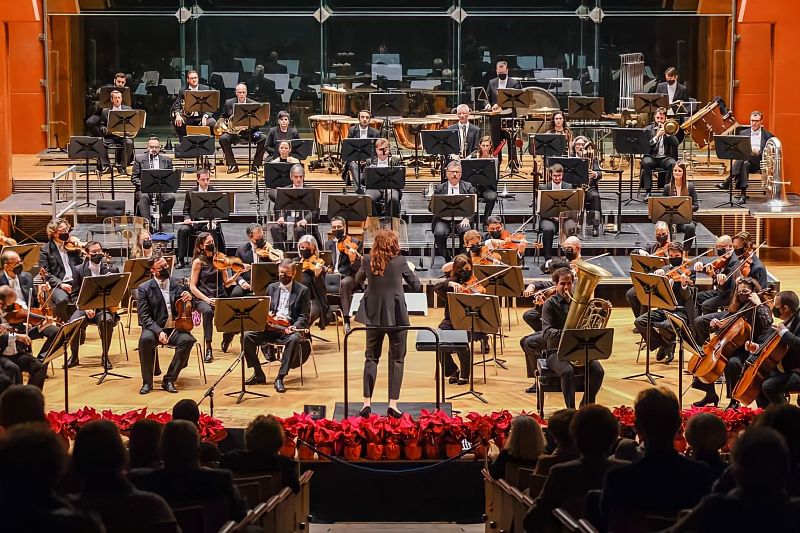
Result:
478,313
453,206
301,148
576,169
277,175
733,148
554,202
237,315
585,345
125,124
480,173
213,206
28,254
586,107
195,147
261,275
647,103
201,102
683,331
86,148
670,209
59,346
358,149
351,207
514,98
250,115
647,263
139,271
102,293
632,142
158,182
385,178
505,283
654,292
442,143
546,145
104,98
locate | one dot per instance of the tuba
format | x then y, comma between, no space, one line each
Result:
586,312
772,173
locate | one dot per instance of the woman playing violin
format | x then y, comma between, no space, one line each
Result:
660,248
143,246
461,279
479,253
313,277
499,237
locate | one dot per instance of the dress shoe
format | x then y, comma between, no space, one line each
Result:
365,411
109,365
733,405
73,361
146,388
670,354
661,354
452,380
226,343
595,232
180,264
709,398
105,169
254,169
257,379
169,387
394,413
121,170
233,169
722,185
741,199
462,381
531,390
279,386
208,357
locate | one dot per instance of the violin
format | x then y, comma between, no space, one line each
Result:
313,263
224,262
663,251
74,244
718,265
269,253
540,297
18,314
281,323
348,246
747,266
184,320
485,257
472,286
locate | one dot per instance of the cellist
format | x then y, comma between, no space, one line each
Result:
760,320
787,376
660,248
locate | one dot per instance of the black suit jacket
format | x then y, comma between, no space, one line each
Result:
177,105
142,162
104,116
554,315
384,301
272,194
82,271
473,134
25,283
464,187
692,193
372,133
755,160
346,268
299,302
791,361
152,308
758,271
187,205
670,143
245,253
50,259
681,93
491,89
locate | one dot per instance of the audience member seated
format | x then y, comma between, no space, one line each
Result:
523,447
662,482
706,434
32,460
187,409
760,465
182,481
144,444
20,404
558,426
594,430
99,459
263,439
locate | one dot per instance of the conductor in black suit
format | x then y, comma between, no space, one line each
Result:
663,151
384,304
180,118
502,81
227,139
362,130
290,301
157,318
58,262
741,170
443,226
671,87
123,155
153,159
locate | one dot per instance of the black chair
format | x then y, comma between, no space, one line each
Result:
548,381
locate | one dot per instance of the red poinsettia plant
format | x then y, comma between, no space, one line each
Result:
353,437
627,421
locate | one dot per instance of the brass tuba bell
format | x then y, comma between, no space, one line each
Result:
586,312
772,173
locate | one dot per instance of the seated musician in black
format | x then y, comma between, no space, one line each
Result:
58,260
93,265
663,151
680,185
720,295
581,147
554,315
180,117
153,159
124,155
156,310
744,248
662,334
345,263
656,249
284,153
385,202
485,151
443,226
15,348
353,170
298,219
227,139
313,276
189,227
93,121
786,377
746,302
290,302
281,132
549,226
207,283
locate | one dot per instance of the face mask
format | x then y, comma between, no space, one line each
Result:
96,258
18,269
210,248
675,261
721,251
502,76
776,312
475,248
339,234
494,234
163,274
569,254
285,279
305,254
671,82
260,243
146,245
464,276
662,239
744,298
64,237
739,251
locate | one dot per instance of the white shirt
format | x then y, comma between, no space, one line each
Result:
382,162
462,134
154,161
94,270
755,140
15,284
164,286
65,261
453,189
501,84
671,91
283,302
556,186
116,108
363,133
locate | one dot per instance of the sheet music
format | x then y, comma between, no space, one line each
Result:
292,65
151,77
424,84
173,85
390,72
419,71
230,79
386,59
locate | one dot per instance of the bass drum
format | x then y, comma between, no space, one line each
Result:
326,129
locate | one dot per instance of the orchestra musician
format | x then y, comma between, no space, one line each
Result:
290,301
675,91
284,153
720,270
143,245
662,334
467,132
660,248
156,299
300,221
93,122
384,304
124,155
152,159
680,185
190,227
388,198
346,252
741,170
558,125
207,283
281,132
549,226
489,195
57,257
443,226
497,237
554,316
743,247
582,147
663,152
362,130
502,81
786,377
180,118
15,347
227,139
313,276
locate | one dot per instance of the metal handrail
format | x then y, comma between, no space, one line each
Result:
67,173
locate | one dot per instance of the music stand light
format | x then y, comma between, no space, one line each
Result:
86,148
455,207
585,345
358,149
733,148
386,179
351,207
59,346
158,182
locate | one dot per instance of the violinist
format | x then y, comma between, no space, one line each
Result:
680,185
206,284
300,220
249,254
156,309
583,148
554,316
660,248
191,227
745,298
313,276
143,245
752,266
93,265
15,348
57,257
720,270
662,334
787,376
479,253
388,198
346,252
460,279
289,301
497,237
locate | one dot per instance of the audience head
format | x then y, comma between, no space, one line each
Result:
186,409
658,417
706,433
180,445
32,461
558,426
264,434
595,429
760,461
20,404
144,444
785,419
525,439
99,451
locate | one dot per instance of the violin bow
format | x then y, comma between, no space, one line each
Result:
487,278
743,261
686,262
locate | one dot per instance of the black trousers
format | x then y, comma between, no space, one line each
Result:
194,121
347,286
498,134
144,202
689,231
733,370
441,231
449,365
593,202
226,141
549,228
185,233
59,301
397,355
661,332
566,372
105,323
533,346
711,301
740,171
776,385
207,312
182,341
490,199
122,156
291,349
702,326
389,198
650,163
636,306
25,362
47,333
533,317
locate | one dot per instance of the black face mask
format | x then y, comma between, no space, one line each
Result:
675,261
210,248
569,254
739,251
96,258
305,254
260,243
743,298
285,279
339,234
63,237
146,245
721,251
502,76
776,312
494,234
475,248
18,269
662,239
163,274
464,276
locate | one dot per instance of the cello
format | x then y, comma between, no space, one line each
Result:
768,356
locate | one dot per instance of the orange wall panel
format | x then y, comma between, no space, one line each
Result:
26,65
5,121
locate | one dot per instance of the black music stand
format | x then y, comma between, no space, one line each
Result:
250,115
261,275
86,148
125,124
277,175
647,103
388,105
301,148
733,148
238,315
139,271
102,293
514,98
358,149
632,142
212,206
554,202
28,255
585,345
647,263
386,179
201,102
477,313
683,332
506,283
195,147
546,145
480,173
158,182
104,98
653,292
455,207
586,107
351,207
670,209
59,346
576,169
442,143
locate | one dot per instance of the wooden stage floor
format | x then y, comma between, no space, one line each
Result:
503,390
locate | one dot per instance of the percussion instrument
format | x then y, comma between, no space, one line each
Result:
407,131
346,123
708,122
543,102
326,129
334,100
420,102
